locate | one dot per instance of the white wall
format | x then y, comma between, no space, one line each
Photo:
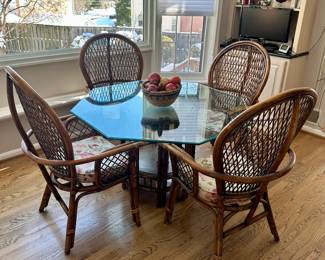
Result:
49,80
315,56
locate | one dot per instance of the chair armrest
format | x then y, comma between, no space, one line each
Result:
185,157
117,149
188,159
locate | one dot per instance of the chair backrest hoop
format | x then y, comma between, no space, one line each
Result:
106,70
273,123
246,78
50,134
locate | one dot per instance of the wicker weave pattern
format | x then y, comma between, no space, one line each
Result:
79,130
109,58
46,131
185,174
114,167
306,106
241,68
251,149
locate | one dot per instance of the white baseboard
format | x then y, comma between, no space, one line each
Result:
14,153
314,131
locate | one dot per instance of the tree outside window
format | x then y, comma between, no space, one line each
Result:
40,25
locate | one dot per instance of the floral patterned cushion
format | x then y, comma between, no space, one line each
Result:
86,148
207,185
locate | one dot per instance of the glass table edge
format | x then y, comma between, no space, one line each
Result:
209,139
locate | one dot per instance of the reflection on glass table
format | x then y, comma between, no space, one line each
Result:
114,94
156,120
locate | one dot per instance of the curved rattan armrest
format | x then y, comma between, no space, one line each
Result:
185,157
117,149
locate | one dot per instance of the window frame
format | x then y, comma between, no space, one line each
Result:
68,54
211,27
205,19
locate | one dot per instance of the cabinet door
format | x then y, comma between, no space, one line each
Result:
274,84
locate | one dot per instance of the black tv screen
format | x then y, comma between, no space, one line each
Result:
269,24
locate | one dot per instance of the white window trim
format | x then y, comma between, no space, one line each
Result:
68,54
211,32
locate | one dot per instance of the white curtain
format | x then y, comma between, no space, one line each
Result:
187,7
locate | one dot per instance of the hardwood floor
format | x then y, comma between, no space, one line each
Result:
105,229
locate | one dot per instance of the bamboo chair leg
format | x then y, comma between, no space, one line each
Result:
219,233
134,195
71,223
171,202
270,218
45,198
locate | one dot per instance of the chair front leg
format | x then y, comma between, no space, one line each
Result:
134,194
45,198
270,218
71,223
171,202
219,214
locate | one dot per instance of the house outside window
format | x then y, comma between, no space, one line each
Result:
183,34
182,43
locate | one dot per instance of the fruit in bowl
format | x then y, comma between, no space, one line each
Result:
161,91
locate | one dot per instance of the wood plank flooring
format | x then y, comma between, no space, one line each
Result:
105,229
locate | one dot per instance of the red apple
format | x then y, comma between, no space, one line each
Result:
154,78
152,87
171,86
175,80
161,87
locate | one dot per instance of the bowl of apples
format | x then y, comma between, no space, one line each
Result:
161,92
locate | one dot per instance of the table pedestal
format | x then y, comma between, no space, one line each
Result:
155,170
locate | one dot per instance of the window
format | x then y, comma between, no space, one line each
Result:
182,43
183,26
30,26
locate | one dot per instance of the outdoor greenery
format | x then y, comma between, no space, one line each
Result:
123,12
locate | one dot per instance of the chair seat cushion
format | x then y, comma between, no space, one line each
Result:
207,185
208,189
86,148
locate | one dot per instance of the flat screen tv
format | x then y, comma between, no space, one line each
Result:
268,24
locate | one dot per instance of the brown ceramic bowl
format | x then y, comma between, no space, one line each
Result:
161,98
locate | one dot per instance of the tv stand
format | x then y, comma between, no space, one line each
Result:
271,47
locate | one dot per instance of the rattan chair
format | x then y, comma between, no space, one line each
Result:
246,157
242,68
77,160
109,58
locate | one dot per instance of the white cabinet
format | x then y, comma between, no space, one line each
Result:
274,84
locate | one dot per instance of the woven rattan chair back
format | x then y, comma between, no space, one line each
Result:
50,133
242,68
255,143
109,58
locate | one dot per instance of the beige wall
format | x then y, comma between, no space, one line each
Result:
49,80
315,56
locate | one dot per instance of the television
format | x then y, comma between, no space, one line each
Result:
268,24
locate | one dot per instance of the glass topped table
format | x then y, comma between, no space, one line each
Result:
122,112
